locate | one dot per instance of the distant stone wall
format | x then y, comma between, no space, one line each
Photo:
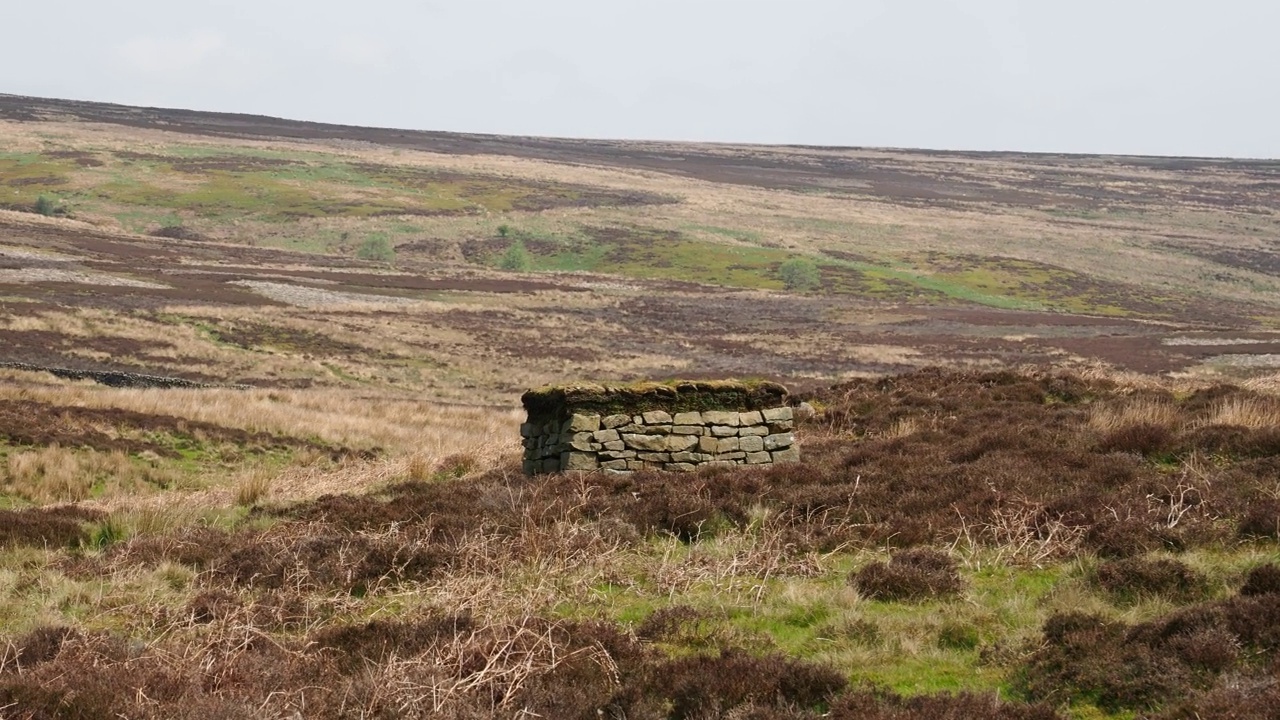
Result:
676,427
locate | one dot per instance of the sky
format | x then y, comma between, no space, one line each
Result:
1156,77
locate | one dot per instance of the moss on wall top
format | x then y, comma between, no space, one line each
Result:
673,396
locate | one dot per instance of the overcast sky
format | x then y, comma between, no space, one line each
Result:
1168,77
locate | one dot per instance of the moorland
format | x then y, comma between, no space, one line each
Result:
1042,481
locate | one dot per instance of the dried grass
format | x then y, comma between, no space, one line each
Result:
1255,413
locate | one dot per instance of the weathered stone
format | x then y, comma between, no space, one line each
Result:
777,414
680,443
720,417
680,467
690,457
574,461
528,430
724,431
729,445
637,465
582,441
655,457
646,443
617,454
532,467
613,422
606,436
688,430
688,418
645,430
751,444
777,442
708,444
804,411
551,465
582,423
616,446
781,426
656,417
785,456
751,418
732,456
551,428
754,431
720,464
614,465
759,458
637,419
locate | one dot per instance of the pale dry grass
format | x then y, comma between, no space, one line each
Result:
1256,413
56,474
1111,418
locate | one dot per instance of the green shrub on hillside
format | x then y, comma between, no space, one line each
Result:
49,207
799,274
516,258
378,248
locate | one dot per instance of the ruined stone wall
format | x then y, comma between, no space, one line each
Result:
657,428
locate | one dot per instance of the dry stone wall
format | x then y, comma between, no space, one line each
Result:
596,432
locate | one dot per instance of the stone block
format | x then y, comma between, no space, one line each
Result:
680,467
777,414
578,461
791,454
614,422
551,465
655,457
617,446
778,442
720,464
755,417
751,444
532,467
656,417
691,457
615,465
681,443
578,423
528,430
606,436
645,429
724,431
759,458
732,457
635,465
708,444
646,443
617,454
637,419
754,431
688,418
781,426
728,445
720,417
582,441
688,430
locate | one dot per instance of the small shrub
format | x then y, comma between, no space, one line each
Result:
516,258
916,574
50,207
799,274
254,488
1262,519
1262,580
378,248
701,686
1134,578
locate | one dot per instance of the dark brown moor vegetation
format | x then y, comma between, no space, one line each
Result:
1040,468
